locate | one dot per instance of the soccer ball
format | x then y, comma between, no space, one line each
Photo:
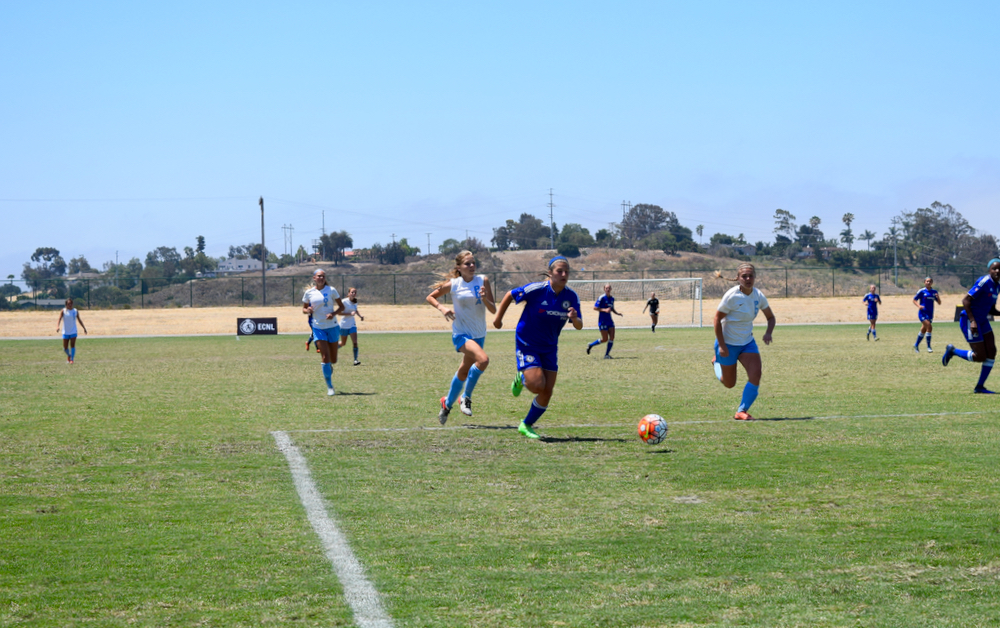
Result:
652,429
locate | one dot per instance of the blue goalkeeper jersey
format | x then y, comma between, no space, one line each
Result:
545,314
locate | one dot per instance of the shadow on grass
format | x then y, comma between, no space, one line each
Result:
660,451
783,418
578,439
341,393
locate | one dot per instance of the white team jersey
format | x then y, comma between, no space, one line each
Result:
69,322
323,302
740,310
470,311
347,316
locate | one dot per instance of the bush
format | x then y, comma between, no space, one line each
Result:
568,249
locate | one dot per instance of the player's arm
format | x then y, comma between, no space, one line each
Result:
575,318
879,299
502,309
80,320
967,305
644,309
432,298
612,308
307,308
769,315
338,310
358,313
723,349
59,322
488,296
937,297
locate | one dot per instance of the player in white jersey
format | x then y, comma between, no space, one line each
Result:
68,318
471,296
734,336
348,327
322,303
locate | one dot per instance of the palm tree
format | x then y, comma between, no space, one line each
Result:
867,236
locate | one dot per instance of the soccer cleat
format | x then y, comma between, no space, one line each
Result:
445,410
330,392
868,336
69,360
526,429
743,416
929,350
588,349
308,342
607,356
948,352
517,385
982,391
876,338
465,405
357,363
654,329
916,348
718,369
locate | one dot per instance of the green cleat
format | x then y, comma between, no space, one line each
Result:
525,429
517,385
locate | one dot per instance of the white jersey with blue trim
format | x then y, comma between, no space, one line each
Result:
323,302
69,322
347,316
470,311
740,310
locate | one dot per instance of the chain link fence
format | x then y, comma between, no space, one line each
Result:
412,288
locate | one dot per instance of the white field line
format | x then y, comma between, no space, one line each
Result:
627,426
359,593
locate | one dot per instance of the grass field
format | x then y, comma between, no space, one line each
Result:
143,486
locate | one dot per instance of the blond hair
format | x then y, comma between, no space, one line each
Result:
718,273
454,272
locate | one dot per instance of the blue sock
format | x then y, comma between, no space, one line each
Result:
355,353
983,374
454,391
965,354
594,344
928,337
66,351
328,374
608,350
535,412
470,382
749,396
874,333
919,338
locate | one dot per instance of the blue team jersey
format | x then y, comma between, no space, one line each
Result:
984,297
872,301
604,318
927,298
545,314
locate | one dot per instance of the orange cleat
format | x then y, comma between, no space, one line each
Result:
743,416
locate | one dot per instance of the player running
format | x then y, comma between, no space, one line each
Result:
977,305
471,296
548,305
606,306
873,301
322,304
734,336
68,318
348,327
654,310
924,300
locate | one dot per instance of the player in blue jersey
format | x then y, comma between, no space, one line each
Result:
547,307
68,318
873,301
980,302
606,306
471,296
925,300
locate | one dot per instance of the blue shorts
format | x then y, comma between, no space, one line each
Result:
872,317
347,332
734,352
606,326
69,336
331,335
922,316
982,328
459,341
528,357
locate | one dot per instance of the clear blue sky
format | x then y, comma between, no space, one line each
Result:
131,125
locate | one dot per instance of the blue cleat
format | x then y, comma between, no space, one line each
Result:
948,352
982,391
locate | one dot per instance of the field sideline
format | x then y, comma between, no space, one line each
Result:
144,485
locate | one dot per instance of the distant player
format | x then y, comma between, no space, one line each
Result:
654,309
977,305
322,304
471,296
873,301
68,318
734,336
547,307
348,327
606,306
925,301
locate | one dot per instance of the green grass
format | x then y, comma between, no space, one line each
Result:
142,486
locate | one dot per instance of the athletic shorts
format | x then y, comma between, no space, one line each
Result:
923,316
527,358
734,352
872,317
347,332
606,326
330,335
459,341
982,328
69,336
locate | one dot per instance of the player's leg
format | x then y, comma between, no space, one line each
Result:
927,334
541,382
989,354
603,338
751,363
920,334
725,367
611,341
66,348
327,365
354,342
72,349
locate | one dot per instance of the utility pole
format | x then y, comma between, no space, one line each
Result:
428,242
552,224
322,243
263,257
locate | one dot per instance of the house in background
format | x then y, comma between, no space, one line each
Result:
233,266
